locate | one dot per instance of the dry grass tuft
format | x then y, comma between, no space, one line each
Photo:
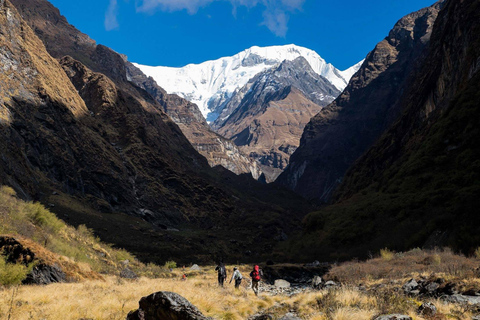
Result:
406,264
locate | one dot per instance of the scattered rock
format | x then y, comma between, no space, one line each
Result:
315,263
427,309
261,317
449,288
458,298
127,273
195,267
330,284
45,274
317,282
477,317
411,287
290,316
393,317
166,306
430,289
279,283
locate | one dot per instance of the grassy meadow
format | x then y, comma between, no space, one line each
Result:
113,297
95,290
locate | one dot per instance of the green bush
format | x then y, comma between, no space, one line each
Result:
170,264
11,274
41,217
386,254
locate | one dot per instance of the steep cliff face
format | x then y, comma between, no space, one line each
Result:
214,147
62,39
419,183
345,129
102,141
96,146
268,115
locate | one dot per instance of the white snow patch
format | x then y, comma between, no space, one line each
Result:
211,83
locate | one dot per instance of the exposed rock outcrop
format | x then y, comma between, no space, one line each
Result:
267,116
422,175
166,306
394,317
47,266
62,39
214,147
86,131
343,131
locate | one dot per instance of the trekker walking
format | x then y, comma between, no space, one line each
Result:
237,276
256,275
222,273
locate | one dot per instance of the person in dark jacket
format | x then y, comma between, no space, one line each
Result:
222,273
256,276
237,276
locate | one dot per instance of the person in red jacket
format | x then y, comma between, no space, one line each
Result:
256,275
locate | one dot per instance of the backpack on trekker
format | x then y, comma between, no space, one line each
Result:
223,271
255,274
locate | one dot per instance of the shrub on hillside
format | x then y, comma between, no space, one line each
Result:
11,274
41,217
7,191
386,254
477,253
170,264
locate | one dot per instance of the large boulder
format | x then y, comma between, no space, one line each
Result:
128,273
290,316
280,283
165,305
411,287
45,274
261,317
393,317
317,282
195,267
427,309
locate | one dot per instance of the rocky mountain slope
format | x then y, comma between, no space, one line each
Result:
344,130
63,39
211,84
419,183
94,146
268,115
214,147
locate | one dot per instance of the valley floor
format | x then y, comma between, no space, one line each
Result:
364,294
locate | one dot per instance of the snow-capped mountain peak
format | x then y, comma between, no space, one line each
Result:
212,83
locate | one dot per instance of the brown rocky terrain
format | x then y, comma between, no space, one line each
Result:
94,146
214,147
269,113
345,129
420,180
62,39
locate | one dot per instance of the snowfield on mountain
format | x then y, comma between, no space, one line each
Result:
211,84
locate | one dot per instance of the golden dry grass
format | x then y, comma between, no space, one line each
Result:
113,298
398,266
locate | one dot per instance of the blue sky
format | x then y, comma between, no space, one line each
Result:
178,32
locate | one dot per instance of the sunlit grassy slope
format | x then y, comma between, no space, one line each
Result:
100,294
